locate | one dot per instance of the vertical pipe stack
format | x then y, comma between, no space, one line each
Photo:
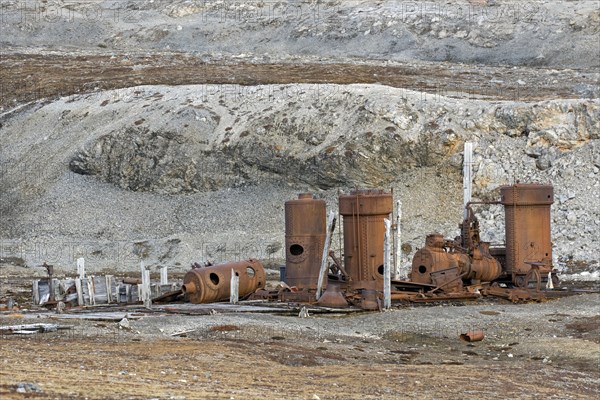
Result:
467,178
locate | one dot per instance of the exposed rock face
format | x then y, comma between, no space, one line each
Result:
348,139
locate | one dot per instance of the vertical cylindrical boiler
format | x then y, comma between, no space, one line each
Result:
364,233
527,220
305,231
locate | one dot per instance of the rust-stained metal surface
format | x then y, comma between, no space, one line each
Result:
528,250
435,257
363,212
483,267
441,255
527,221
305,231
515,294
473,336
369,300
447,280
333,296
211,284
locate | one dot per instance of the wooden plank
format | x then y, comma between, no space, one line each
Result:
79,292
323,270
387,299
164,279
98,316
234,287
90,286
108,279
81,267
32,328
36,292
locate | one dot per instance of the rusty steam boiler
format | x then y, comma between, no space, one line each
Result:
364,212
305,231
527,235
212,284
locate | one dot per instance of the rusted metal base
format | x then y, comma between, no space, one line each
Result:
514,294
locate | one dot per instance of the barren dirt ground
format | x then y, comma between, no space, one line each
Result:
29,77
531,351
116,367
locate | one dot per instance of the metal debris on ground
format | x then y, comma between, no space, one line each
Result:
473,336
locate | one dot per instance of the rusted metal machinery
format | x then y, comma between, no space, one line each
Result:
211,284
528,236
305,230
528,250
439,254
364,231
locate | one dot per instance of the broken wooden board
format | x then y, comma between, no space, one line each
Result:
247,307
28,329
99,316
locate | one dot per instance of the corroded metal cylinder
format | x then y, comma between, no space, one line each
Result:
364,233
527,222
212,284
484,267
305,231
434,257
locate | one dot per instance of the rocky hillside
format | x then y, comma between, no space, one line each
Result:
559,34
168,146
176,174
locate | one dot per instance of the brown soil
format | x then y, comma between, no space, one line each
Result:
27,77
222,365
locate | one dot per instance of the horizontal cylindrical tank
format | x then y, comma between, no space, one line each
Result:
527,224
212,284
433,257
364,212
483,266
436,257
305,231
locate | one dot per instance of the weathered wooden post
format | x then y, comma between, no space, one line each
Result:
81,267
80,298
145,295
92,293
398,268
323,271
164,279
387,284
234,290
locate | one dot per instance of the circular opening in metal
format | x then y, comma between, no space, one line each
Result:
250,271
380,270
214,278
296,249
183,288
422,269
